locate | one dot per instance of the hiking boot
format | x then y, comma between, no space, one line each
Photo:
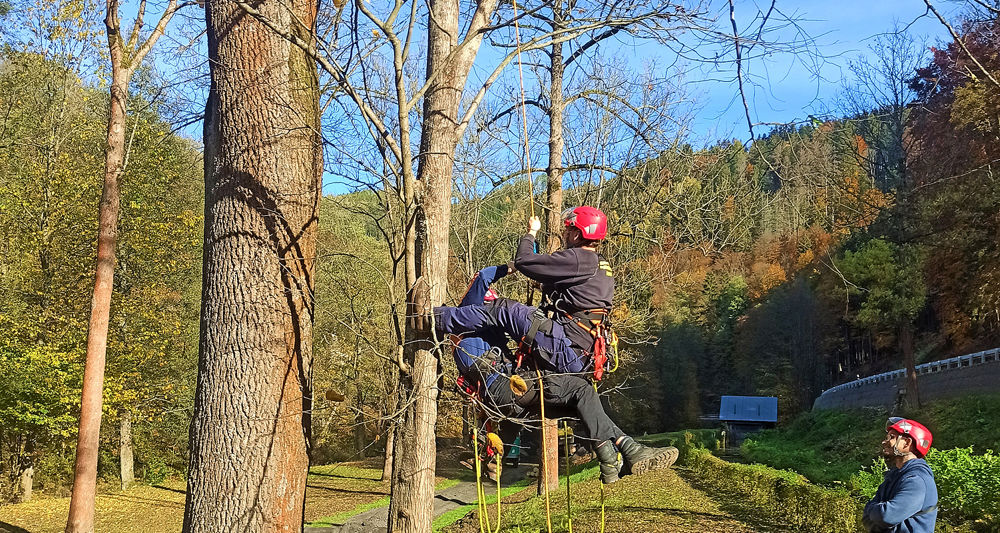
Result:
640,459
607,454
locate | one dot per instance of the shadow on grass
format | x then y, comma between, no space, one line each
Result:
342,476
153,502
348,491
11,528
162,487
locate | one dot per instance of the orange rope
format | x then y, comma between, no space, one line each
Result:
524,113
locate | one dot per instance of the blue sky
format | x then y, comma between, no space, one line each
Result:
842,29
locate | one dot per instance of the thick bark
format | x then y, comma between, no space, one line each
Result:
909,362
263,167
125,456
557,104
81,507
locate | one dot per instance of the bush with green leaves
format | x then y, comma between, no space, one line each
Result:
707,439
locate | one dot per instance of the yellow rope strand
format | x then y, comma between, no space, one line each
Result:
569,502
602,506
499,471
541,465
480,496
524,115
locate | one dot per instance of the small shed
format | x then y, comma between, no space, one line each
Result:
742,415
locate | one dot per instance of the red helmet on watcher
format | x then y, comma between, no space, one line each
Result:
921,435
591,221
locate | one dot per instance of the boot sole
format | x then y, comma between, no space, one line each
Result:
657,462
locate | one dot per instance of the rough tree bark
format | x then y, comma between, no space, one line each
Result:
125,456
125,58
263,168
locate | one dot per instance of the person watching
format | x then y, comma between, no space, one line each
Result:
906,501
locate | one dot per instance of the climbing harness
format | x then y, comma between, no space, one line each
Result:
603,354
605,339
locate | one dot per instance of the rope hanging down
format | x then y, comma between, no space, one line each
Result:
524,114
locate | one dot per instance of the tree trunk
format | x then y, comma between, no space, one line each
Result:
553,187
125,456
390,448
360,442
427,257
26,471
263,166
81,507
912,399
548,469
428,198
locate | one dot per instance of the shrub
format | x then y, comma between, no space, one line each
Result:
779,494
707,439
156,471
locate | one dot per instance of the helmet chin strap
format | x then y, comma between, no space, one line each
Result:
895,449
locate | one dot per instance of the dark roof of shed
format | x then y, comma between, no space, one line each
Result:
749,408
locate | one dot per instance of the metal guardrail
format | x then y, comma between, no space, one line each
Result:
973,359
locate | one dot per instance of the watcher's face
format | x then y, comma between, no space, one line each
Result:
894,439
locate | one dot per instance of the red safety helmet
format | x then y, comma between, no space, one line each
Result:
921,435
591,221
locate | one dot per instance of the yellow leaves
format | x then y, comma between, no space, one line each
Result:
804,259
765,277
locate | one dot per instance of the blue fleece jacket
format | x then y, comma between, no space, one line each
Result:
905,502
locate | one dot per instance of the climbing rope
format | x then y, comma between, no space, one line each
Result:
494,441
524,115
602,507
569,501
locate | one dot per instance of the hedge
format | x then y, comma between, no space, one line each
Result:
778,495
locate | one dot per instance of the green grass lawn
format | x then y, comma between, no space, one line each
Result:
660,501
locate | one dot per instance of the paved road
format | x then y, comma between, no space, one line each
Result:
374,520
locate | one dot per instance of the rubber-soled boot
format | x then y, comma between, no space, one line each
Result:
640,459
607,455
